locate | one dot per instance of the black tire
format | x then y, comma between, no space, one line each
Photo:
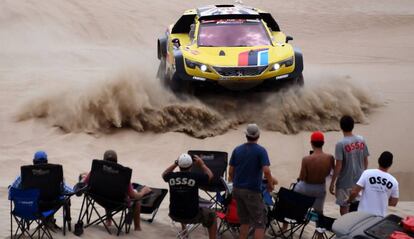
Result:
181,86
299,81
161,72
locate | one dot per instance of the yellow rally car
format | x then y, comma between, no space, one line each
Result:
231,46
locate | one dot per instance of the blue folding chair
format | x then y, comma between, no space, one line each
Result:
24,209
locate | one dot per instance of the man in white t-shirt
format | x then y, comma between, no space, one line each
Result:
379,188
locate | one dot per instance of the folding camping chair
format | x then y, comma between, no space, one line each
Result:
216,161
151,203
108,187
291,208
229,219
48,179
26,212
323,227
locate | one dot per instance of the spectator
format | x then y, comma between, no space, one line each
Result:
184,199
110,155
314,170
248,163
351,154
40,157
379,188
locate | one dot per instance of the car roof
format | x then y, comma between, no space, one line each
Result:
225,10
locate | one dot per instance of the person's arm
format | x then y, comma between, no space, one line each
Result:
337,170
169,169
354,193
268,175
203,167
392,202
302,173
365,162
231,173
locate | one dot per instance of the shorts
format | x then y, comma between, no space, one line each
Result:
342,195
318,191
250,207
205,216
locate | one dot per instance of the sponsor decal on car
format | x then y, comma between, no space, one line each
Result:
259,57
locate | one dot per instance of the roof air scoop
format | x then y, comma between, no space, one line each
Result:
224,5
222,53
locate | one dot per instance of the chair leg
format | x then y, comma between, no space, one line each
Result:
11,220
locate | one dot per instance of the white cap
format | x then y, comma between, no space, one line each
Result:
252,130
185,161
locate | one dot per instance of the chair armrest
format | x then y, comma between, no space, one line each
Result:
79,189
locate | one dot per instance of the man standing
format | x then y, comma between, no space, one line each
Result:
248,163
184,200
379,188
351,154
315,168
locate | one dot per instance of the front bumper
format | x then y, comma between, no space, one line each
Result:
238,85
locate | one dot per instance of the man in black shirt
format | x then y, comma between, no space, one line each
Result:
184,203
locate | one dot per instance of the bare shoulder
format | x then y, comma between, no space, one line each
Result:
306,159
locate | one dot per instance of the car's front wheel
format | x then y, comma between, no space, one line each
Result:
299,81
179,85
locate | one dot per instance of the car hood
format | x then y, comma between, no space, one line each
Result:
238,56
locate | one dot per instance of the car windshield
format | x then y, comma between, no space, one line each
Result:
232,33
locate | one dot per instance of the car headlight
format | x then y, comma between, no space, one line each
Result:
193,64
288,62
203,68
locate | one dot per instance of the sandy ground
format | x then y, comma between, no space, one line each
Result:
60,59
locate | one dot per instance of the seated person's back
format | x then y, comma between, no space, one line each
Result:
184,186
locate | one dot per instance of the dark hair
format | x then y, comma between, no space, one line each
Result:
251,139
110,155
385,159
317,144
39,161
347,123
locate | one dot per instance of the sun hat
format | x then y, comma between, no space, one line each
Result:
252,130
317,136
40,157
185,161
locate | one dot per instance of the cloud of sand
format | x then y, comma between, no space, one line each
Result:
138,102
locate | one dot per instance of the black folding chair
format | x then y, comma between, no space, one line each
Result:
216,161
151,203
324,227
290,208
48,179
108,187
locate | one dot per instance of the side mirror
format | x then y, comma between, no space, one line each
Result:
288,38
176,42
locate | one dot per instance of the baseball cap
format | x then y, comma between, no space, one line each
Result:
185,161
252,130
110,155
317,136
40,156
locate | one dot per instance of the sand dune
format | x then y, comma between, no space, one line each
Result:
78,77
